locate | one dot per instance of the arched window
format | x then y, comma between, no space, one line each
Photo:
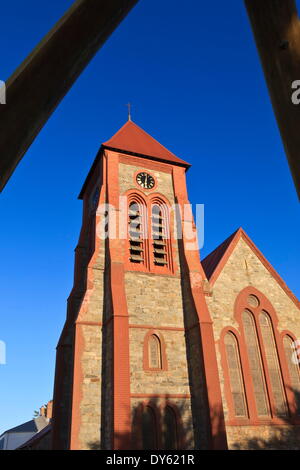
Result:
149,430
154,352
258,355
159,236
255,364
170,441
273,364
235,376
136,231
293,368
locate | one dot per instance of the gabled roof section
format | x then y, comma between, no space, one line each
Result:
35,425
37,437
133,139
214,263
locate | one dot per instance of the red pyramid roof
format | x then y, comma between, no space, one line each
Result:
132,138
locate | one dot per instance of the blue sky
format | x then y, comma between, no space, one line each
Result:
193,75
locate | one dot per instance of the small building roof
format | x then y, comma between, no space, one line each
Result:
36,438
35,425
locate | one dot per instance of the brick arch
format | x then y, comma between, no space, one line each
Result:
137,434
158,413
158,198
164,361
135,194
180,435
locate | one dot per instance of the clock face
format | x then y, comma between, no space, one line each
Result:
145,180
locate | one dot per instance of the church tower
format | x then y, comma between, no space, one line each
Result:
136,362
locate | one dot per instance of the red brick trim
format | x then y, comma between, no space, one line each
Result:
164,362
153,327
160,395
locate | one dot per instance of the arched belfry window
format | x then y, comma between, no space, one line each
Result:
154,351
149,429
255,365
293,369
170,431
160,236
136,231
235,376
273,364
150,247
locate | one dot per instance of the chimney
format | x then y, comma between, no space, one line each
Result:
49,409
42,411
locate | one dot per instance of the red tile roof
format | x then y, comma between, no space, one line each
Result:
132,138
211,261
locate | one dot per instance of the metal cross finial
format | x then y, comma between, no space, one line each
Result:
129,111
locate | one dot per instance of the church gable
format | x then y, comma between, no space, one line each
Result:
255,320
238,263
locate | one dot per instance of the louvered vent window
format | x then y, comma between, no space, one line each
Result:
136,234
255,363
273,364
235,376
293,368
159,237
